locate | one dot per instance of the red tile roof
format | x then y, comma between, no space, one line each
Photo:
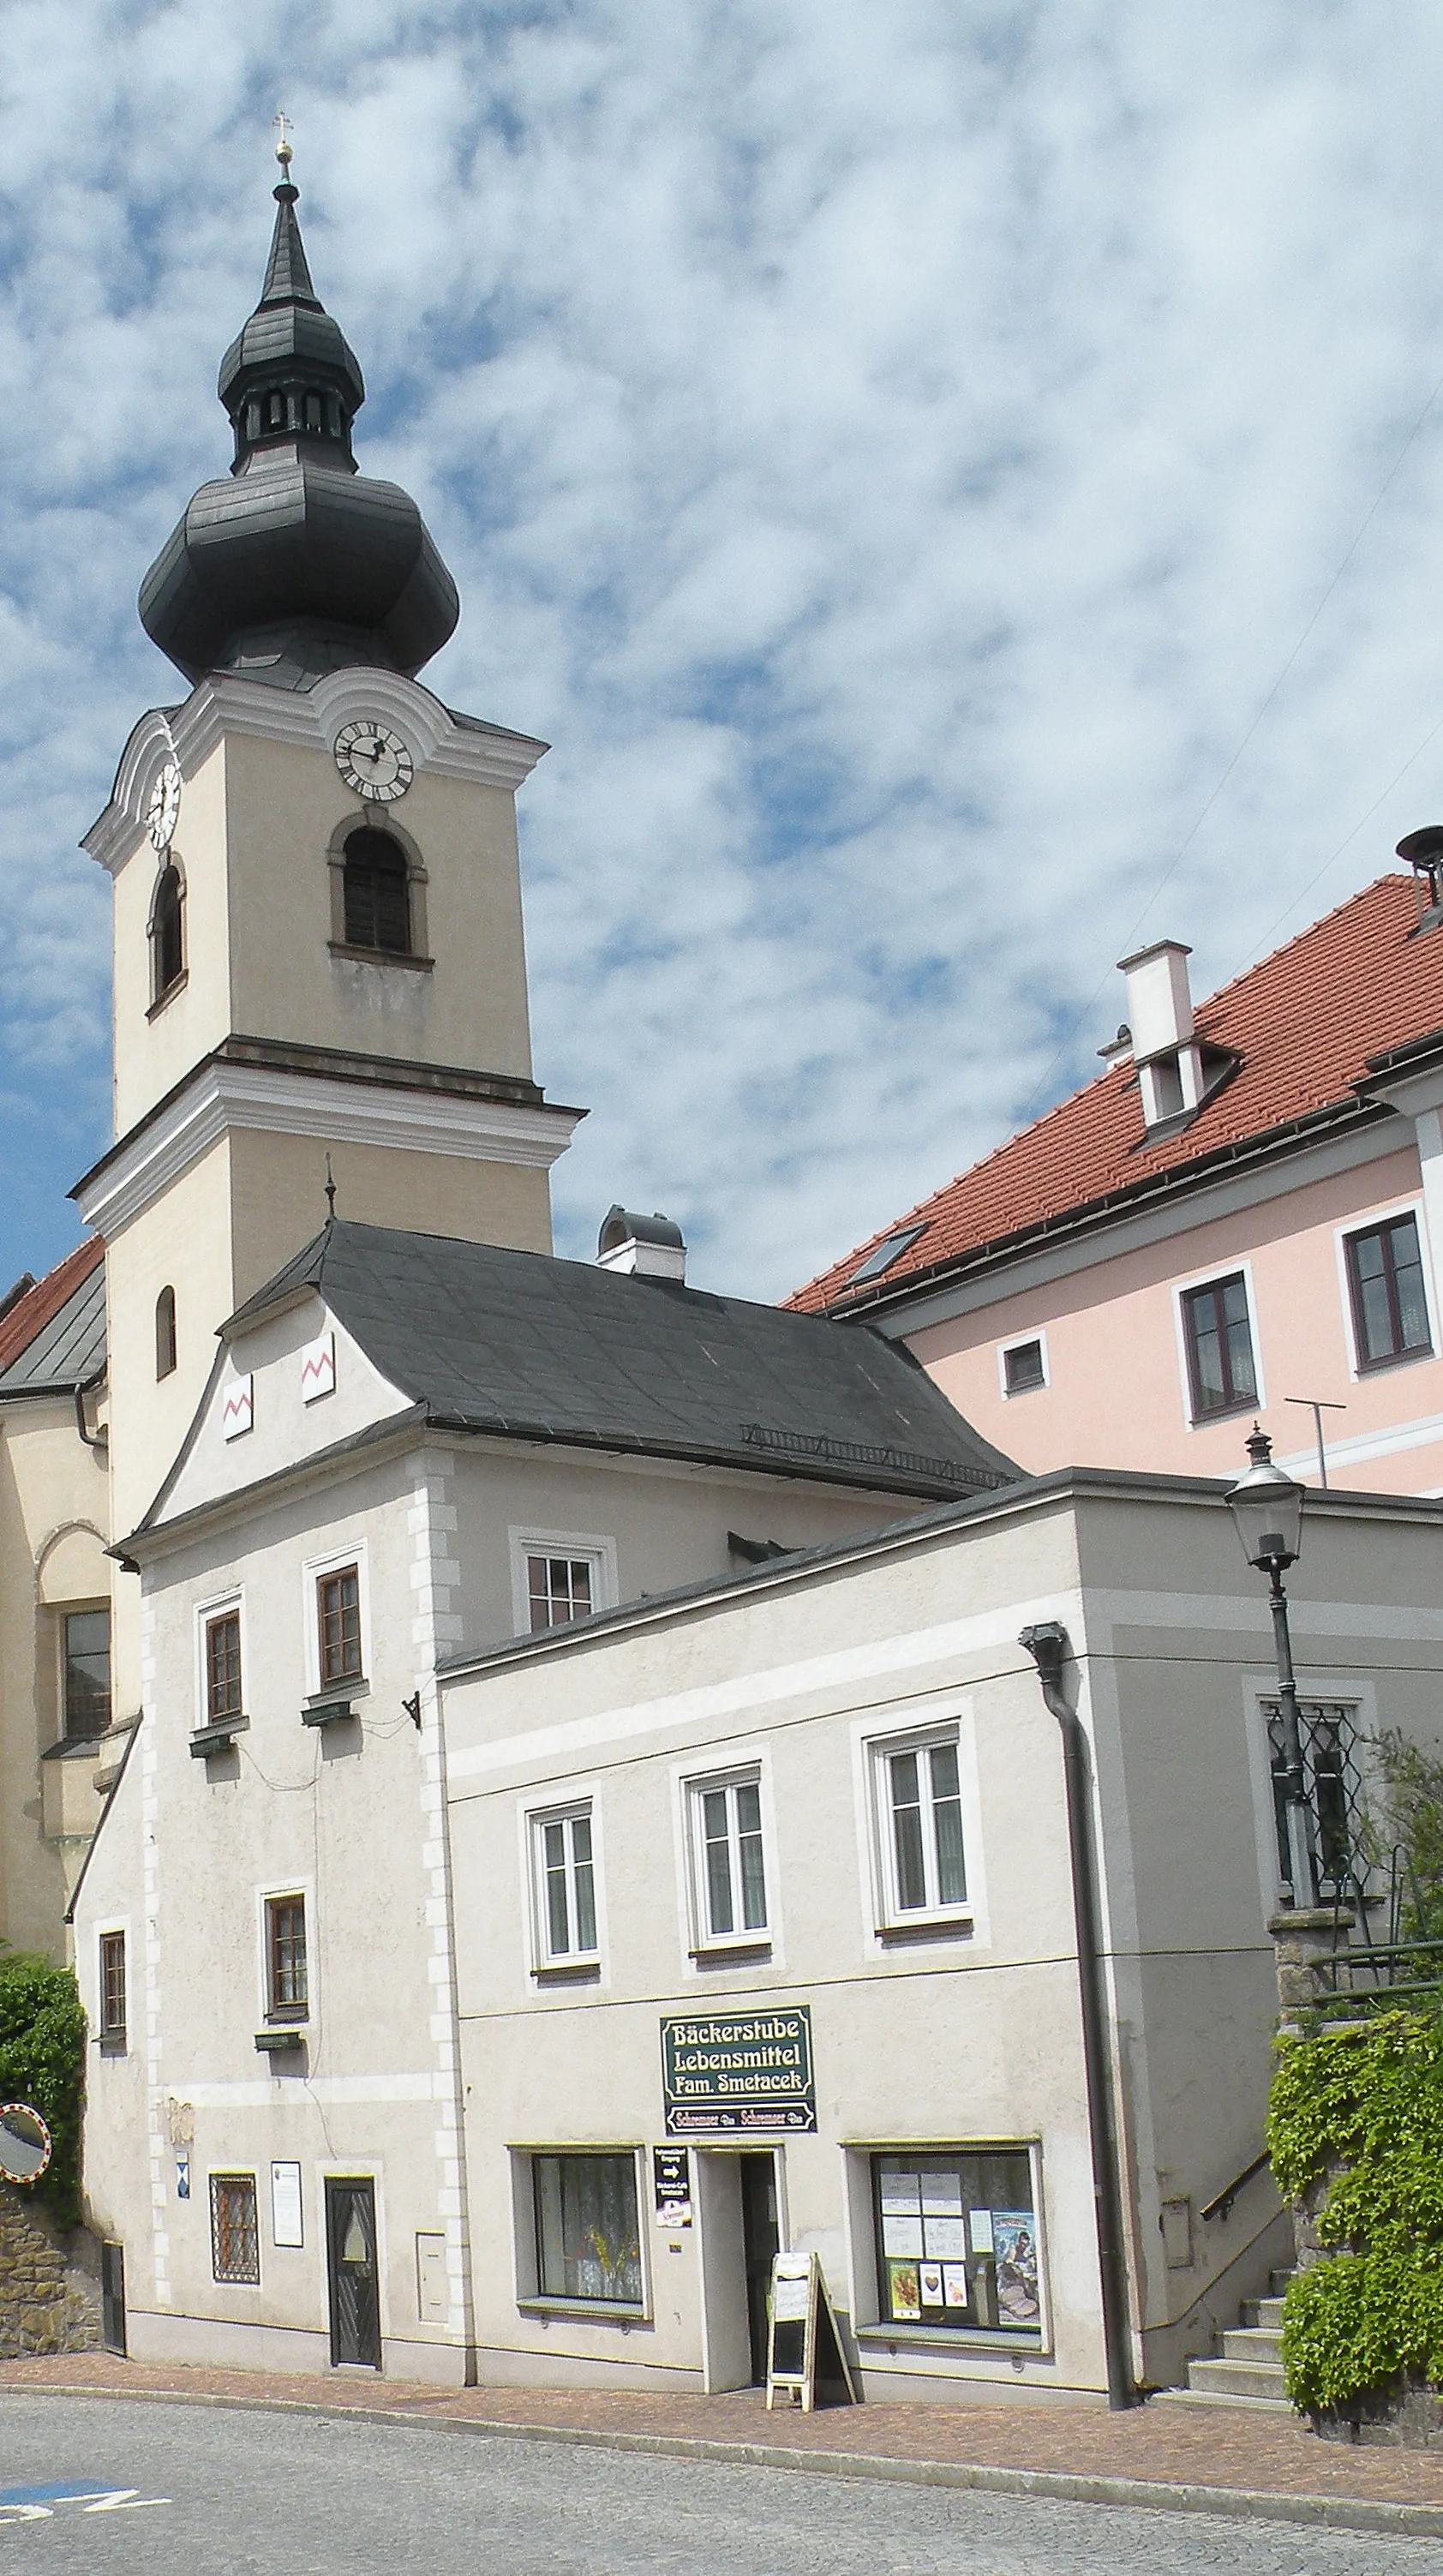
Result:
31,1313
1304,1023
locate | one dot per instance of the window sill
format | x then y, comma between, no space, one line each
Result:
1222,1413
332,1708
568,1972
76,1748
216,1738
607,2312
279,2043
163,1000
959,2339
929,1927
112,2043
1395,1359
383,957
731,1954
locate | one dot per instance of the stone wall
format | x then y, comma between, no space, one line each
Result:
49,2282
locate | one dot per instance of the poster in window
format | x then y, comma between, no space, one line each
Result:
979,2228
901,2235
901,2194
941,2195
930,2280
903,2290
1014,2234
954,2285
946,2237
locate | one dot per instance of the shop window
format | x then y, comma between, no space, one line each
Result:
235,2247
1385,1282
87,1672
957,2242
588,2242
918,1791
729,1877
112,1989
286,1988
564,1884
338,1625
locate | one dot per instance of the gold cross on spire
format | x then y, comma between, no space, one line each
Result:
283,149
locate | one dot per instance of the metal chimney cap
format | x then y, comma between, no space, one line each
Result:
623,1225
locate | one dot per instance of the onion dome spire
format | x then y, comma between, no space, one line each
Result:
299,564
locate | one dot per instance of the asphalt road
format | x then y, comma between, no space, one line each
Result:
214,2493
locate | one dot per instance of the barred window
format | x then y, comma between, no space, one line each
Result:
235,2251
1332,1791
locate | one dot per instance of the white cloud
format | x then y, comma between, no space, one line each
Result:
889,452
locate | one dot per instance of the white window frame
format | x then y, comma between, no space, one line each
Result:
304,1888
535,1820
1021,1342
335,1561
573,1543
880,1750
1368,1223
1181,1288
205,1611
693,1787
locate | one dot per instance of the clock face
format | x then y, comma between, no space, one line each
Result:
162,812
374,761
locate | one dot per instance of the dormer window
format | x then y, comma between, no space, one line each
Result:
167,923
377,893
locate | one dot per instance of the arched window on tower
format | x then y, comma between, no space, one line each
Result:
377,893
167,942
165,1333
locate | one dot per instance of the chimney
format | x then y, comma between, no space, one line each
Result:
1159,1014
646,1247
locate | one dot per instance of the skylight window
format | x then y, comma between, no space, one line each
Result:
885,1253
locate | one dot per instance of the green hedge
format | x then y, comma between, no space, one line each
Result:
1370,2101
42,2062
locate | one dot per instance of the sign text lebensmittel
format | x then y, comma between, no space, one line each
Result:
730,2074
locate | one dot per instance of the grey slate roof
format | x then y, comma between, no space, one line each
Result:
66,1352
519,1344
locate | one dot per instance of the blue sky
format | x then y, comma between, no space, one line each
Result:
893,453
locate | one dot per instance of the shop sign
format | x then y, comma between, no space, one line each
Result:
737,2074
671,2178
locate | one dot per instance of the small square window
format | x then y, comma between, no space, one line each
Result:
919,1814
286,1989
338,1624
1390,1304
1022,1367
1218,1333
235,2250
563,1866
558,1590
223,1667
729,1874
112,1986
588,2242
87,1672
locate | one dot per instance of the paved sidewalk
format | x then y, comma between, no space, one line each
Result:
1221,2448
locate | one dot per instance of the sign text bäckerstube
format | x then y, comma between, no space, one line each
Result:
726,2074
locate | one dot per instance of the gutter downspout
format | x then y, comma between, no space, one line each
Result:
97,1440
1047,1644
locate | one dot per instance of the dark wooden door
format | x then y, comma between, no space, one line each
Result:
351,2259
759,2243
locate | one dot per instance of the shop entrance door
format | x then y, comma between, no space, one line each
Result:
351,2261
760,2239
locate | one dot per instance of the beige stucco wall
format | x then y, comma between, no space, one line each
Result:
278,1198
52,1536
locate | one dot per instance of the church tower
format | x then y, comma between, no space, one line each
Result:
318,957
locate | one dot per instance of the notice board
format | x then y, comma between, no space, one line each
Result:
804,2348
728,2074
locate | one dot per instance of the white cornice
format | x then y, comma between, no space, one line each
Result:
221,1097
224,705
1203,1201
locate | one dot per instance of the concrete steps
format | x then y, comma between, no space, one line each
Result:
1249,2369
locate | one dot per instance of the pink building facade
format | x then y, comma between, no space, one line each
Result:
1241,1219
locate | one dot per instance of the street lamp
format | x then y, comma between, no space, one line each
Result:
1268,1509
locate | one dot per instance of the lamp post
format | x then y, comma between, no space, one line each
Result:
1269,1513
1267,1508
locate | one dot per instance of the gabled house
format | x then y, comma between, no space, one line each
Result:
409,1447
1241,1218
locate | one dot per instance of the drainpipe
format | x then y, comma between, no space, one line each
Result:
96,1440
1047,1644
